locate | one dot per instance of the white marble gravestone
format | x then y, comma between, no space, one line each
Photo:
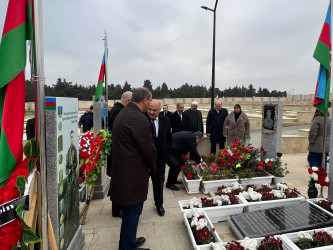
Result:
271,135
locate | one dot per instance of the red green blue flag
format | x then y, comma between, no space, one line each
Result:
12,85
322,55
99,89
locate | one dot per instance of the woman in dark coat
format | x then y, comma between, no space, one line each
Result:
214,126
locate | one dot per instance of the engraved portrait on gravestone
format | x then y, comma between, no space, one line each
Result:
269,117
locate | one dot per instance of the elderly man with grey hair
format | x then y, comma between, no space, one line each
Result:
179,120
195,122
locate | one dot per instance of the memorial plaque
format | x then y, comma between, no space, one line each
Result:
285,219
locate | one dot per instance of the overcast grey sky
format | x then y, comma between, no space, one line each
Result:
267,43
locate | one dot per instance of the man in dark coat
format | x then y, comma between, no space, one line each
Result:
182,143
214,126
195,122
82,117
125,99
166,111
134,156
88,121
162,137
178,119
30,128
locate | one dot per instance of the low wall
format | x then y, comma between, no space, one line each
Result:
292,144
304,117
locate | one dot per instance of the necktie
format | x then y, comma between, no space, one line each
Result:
154,127
180,117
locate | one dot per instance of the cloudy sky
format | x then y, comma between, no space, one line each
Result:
267,43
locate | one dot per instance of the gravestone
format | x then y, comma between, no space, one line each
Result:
271,133
279,220
62,160
103,180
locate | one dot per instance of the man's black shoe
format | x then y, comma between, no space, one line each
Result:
118,213
140,241
160,211
178,182
172,187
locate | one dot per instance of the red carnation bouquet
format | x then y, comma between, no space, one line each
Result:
17,230
318,177
93,152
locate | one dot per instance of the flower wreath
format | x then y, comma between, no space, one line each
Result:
17,230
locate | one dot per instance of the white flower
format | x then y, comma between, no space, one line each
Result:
272,160
195,202
194,222
236,185
255,196
304,235
245,195
266,160
315,176
266,185
314,168
250,189
216,246
331,207
219,203
249,244
278,194
201,223
317,185
327,180
195,212
281,186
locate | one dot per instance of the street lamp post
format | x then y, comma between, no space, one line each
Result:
213,60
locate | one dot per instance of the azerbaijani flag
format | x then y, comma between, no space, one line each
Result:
322,55
12,85
99,89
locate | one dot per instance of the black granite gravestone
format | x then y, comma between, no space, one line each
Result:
285,219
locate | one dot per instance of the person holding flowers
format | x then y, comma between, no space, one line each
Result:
182,143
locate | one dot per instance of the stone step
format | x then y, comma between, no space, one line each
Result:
303,132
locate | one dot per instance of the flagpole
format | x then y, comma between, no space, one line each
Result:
40,79
106,75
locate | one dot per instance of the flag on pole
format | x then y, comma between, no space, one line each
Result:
12,85
99,89
322,55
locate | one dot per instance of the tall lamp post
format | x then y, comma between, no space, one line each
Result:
213,63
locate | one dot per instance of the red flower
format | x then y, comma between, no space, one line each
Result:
269,164
264,152
189,176
261,162
80,180
278,154
310,171
262,149
187,156
182,167
260,168
208,153
213,170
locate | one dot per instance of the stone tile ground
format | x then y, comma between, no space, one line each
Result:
169,232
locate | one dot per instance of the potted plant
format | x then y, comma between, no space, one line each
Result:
263,197
190,176
218,208
214,176
311,239
275,167
318,178
200,229
322,204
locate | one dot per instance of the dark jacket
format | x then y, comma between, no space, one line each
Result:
178,124
167,114
82,119
113,114
195,122
88,122
214,125
133,155
184,142
30,128
163,140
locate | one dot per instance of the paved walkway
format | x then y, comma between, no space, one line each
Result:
168,232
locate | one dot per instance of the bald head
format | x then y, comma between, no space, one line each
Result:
126,97
154,108
218,105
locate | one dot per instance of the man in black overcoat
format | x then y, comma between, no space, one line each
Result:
182,143
125,99
178,119
161,131
214,126
166,111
